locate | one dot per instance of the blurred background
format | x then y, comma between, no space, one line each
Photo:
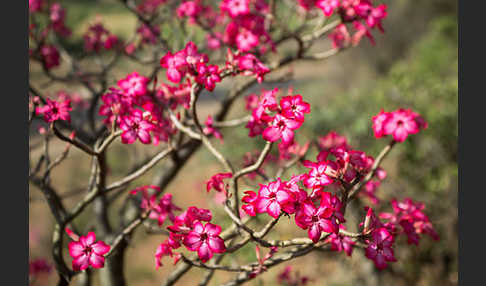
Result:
413,65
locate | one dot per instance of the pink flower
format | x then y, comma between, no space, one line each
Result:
281,127
49,56
270,197
165,208
98,37
209,129
376,15
250,64
35,5
410,216
135,126
328,6
380,248
340,243
246,40
208,75
189,9
361,30
165,249
86,252
378,121
319,175
133,84
294,107
54,110
148,34
213,41
57,16
236,7
216,182
114,104
340,37
400,124
315,220
205,240
251,200
175,65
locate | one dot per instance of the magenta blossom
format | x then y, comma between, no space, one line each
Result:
281,127
236,7
175,65
400,124
134,85
216,182
208,75
49,56
209,129
54,110
86,252
250,64
320,175
135,126
327,6
270,198
315,220
205,240
339,243
380,248
294,107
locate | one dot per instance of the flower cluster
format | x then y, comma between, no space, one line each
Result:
245,28
243,23
380,240
86,251
288,116
399,123
408,218
246,64
57,17
40,31
98,37
159,210
138,115
193,229
362,14
316,214
184,62
412,220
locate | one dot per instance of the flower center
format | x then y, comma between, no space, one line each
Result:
87,251
204,236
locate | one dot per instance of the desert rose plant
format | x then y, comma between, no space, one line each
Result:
240,41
